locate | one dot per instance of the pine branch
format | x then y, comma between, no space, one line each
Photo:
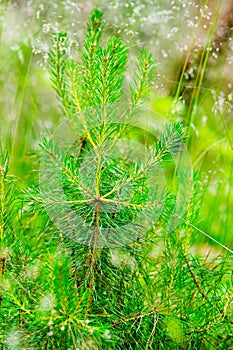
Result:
110,66
143,79
57,68
89,56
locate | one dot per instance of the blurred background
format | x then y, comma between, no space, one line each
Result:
192,42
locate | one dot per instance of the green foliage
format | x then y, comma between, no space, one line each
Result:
88,258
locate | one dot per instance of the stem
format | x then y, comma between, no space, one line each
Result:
2,270
2,214
201,71
189,55
2,207
92,265
195,279
19,111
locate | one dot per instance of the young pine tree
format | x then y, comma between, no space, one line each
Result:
82,272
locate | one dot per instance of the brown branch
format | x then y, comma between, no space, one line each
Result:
133,317
195,279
